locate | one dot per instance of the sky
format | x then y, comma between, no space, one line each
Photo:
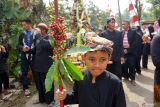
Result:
103,4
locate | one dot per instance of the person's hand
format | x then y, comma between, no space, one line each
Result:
26,48
122,60
2,49
61,95
125,51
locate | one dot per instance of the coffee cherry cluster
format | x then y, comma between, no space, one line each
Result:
59,34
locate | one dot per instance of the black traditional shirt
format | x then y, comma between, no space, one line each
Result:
106,92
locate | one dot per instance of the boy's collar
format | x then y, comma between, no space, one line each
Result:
98,77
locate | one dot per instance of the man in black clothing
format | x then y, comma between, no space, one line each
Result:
139,50
155,54
151,30
130,49
26,45
117,56
42,63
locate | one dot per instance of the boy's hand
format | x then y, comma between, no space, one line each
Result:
122,60
125,51
26,48
61,95
2,49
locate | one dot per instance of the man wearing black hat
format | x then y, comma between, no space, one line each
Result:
117,56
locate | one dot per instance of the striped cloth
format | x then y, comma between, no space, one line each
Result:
125,41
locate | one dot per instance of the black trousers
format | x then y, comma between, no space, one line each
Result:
25,66
146,51
145,60
138,64
40,83
128,68
4,80
115,68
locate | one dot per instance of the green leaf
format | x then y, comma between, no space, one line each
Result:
51,41
78,49
75,72
65,73
52,75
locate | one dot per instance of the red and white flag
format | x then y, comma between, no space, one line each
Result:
133,15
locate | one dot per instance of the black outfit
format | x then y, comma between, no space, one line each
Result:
155,54
26,57
128,67
116,38
139,52
145,53
4,79
106,92
151,30
42,64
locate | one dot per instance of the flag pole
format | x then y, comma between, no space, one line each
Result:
56,18
56,9
120,16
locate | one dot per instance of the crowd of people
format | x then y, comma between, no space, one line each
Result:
100,78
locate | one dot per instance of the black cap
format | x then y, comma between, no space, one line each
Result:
110,19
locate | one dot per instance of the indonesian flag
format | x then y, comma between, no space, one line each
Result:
133,15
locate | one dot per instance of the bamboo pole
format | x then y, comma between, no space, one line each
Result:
120,17
56,17
56,9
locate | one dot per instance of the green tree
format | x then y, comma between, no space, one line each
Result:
97,17
126,14
11,14
64,10
155,9
139,9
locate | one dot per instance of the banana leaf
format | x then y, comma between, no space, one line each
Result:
64,72
52,75
51,41
78,49
75,72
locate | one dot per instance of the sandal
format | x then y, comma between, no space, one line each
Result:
27,92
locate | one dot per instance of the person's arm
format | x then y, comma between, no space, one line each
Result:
47,44
73,97
155,52
36,39
121,48
133,47
119,98
20,42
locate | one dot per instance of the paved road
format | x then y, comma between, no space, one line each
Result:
140,95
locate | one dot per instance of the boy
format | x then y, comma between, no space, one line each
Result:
99,88
4,79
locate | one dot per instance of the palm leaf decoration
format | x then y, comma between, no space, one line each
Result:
62,72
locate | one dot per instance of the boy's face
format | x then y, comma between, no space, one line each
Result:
96,62
26,26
